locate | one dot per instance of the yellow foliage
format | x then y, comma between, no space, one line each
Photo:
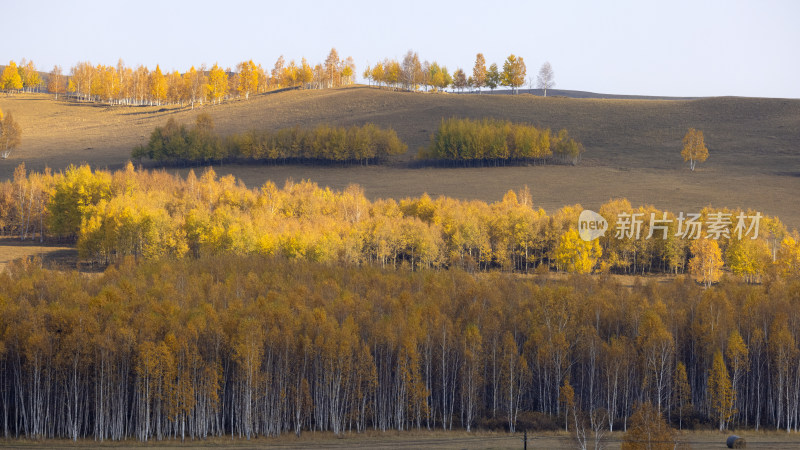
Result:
10,80
694,148
748,258
576,255
789,256
706,262
217,83
682,392
158,85
647,429
248,78
720,392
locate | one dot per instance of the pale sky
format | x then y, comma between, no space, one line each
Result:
675,48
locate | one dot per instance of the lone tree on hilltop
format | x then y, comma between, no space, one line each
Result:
546,78
694,148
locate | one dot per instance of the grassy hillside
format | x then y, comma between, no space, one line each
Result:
632,146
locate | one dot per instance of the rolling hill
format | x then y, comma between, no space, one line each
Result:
632,146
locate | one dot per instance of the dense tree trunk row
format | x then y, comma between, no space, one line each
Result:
250,346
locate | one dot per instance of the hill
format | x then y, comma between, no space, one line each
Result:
584,94
632,146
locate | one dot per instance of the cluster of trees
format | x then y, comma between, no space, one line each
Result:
137,86
152,214
177,143
675,246
249,346
411,74
494,140
364,144
125,85
24,76
10,134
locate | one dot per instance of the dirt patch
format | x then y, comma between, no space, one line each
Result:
697,440
52,256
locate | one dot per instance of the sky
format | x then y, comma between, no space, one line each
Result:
642,47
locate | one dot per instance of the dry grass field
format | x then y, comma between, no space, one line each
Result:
632,146
53,255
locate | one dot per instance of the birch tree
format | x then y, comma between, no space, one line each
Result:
248,78
10,80
706,262
479,72
56,82
694,148
217,84
158,86
493,77
514,72
546,78
720,391
10,134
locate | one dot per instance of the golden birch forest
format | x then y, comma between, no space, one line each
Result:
206,308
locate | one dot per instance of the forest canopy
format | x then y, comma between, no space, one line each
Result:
153,214
226,345
133,86
229,311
